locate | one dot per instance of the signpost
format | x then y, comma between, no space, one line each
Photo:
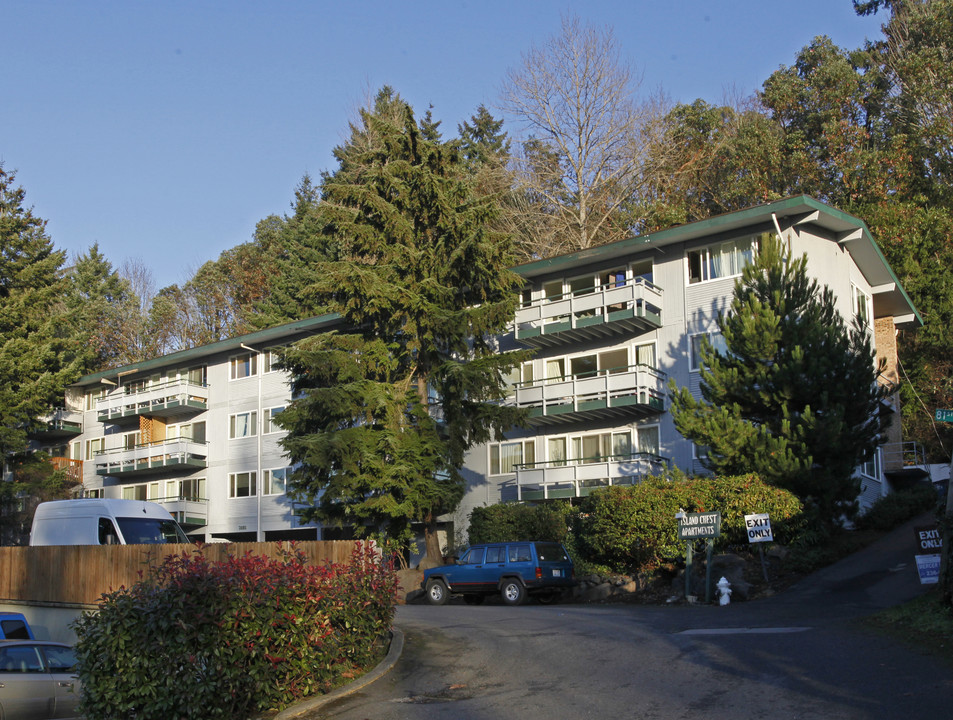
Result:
698,526
759,531
946,416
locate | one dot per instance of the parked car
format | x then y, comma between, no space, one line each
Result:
37,680
13,626
515,570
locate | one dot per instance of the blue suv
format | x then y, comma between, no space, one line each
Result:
513,569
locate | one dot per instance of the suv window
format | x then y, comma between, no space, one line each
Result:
520,553
474,556
495,555
550,552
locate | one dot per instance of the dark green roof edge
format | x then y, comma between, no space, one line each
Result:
710,226
268,335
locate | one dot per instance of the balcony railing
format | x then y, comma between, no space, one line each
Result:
189,512
637,390
72,468
591,314
61,423
577,478
159,456
175,397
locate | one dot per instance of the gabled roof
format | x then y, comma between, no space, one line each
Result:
847,230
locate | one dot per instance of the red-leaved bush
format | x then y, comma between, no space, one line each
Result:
204,640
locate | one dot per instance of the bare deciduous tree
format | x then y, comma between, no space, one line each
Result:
584,156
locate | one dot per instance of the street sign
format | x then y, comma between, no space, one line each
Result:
699,525
944,416
929,546
759,528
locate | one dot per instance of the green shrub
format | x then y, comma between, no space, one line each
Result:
517,521
898,507
204,640
633,528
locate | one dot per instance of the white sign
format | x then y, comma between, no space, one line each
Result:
928,567
759,528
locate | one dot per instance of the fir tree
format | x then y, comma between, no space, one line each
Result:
38,352
795,396
385,409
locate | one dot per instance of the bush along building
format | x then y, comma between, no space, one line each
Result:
610,326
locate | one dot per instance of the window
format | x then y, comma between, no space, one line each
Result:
276,481
243,484
553,290
642,270
242,366
555,369
717,341
135,492
699,452
130,440
93,395
861,305
191,431
721,261
496,554
270,425
94,446
504,457
612,279
243,425
94,493
601,446
186,489
871,468
556,451
474,556
649,439
645,355
269,358
198,375
582,285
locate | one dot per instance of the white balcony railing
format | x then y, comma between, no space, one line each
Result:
151,456
128,400
637,298
635,385
574,477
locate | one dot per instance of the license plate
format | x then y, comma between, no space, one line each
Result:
557,573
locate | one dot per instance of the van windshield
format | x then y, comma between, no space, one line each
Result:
148,531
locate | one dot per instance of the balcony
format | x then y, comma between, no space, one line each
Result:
190,513
622,393
592,314
577,478
178,454
169,399
61,424
73,469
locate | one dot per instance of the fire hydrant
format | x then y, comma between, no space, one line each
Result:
724,591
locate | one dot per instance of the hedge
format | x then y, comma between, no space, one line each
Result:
204,640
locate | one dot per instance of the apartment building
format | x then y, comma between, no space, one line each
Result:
610,325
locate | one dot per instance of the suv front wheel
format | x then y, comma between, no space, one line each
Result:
512,592
437,592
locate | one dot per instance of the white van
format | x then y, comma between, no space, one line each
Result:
103,522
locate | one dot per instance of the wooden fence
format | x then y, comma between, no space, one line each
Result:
80,574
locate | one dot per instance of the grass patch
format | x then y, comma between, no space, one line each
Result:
924,622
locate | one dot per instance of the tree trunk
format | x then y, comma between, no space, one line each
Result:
433,554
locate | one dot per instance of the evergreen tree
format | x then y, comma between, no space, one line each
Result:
794,397
38,352
385,409
99,301
484,141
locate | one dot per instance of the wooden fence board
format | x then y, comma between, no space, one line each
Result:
80,574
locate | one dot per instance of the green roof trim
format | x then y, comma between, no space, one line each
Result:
259,337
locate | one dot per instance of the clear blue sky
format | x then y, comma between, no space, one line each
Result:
166,130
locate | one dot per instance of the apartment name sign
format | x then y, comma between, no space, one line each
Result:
699,525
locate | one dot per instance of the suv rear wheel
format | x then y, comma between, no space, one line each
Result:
512,592
437,592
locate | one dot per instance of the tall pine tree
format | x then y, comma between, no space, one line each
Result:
795,396
385,409
38,351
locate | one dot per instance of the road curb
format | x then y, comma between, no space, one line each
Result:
299,710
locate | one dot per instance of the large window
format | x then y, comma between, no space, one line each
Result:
244,484
94,446
191,431
717,341
242,366
186,489
243,425
504,457
270,425
275,482
721,261
601,446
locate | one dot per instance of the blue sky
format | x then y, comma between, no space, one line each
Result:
166,130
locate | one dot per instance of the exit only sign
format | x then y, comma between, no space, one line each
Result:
944,415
